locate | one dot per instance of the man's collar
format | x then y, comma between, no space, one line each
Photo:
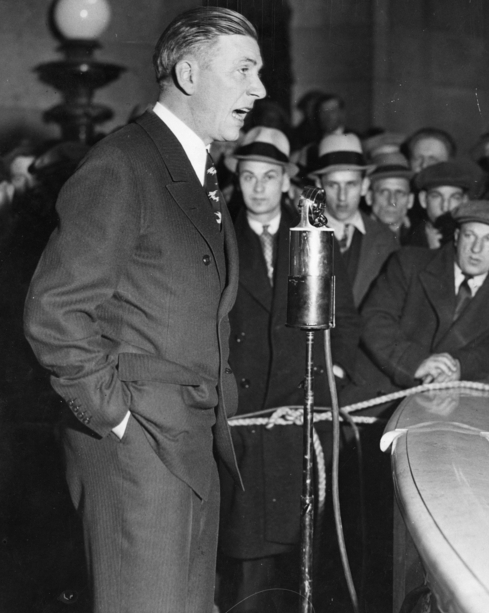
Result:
257,226
339,226
192,144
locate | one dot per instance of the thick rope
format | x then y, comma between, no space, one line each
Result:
293,414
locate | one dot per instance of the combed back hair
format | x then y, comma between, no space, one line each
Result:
436,133
192,31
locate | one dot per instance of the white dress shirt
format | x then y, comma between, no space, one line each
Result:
474,283
339,226
257,226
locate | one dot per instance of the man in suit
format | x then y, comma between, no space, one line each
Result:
129,311
389,194
365,244
426,317
260,526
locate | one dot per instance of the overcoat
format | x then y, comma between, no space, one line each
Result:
409,315
268,359
129,305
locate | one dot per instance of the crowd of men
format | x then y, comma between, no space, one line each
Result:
145,320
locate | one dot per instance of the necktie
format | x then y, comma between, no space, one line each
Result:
266,240
343,242
464,296
211,187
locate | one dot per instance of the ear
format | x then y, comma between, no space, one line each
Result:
369,197
455,236
410,201
10,191
186,73
465,198
318,182
365,186
422,199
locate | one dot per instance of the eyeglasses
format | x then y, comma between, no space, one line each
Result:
397,195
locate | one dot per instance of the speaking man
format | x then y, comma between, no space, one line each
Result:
129,310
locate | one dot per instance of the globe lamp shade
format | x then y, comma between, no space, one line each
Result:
82,19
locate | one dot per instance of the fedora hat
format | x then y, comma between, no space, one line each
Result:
339,152
262,144
390,166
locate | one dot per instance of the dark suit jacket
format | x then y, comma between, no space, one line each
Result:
378,243
129,304
269,360
408,316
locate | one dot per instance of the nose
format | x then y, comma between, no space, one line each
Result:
342,193
477,245
257,89
445,205
258,186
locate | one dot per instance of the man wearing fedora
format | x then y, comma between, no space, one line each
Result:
365,244
389,194
260,527
441,188
425,319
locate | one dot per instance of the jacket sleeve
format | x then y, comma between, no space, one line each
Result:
345,335
383,338
98,229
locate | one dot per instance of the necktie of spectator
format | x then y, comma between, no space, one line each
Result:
464,296
211,187
343,242
266,240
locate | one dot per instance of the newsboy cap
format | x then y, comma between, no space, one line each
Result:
262,144
473,210
449,173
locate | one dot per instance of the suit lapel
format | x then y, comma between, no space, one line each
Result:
471,323
252,268
280,289
438,282
185,187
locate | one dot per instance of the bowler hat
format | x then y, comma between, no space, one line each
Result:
339,152
390,165
449,173
262,144
473,210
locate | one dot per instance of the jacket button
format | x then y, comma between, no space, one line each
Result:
206,259
228,371
239,337
245,383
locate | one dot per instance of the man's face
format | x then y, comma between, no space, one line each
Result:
262,185
441,199
426,152
343,189
390,200
472,252
331,116
227,83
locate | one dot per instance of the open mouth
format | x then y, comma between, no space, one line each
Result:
241,113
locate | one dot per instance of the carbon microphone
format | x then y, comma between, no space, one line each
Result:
311,282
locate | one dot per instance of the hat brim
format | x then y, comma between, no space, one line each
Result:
391,174
231,163
334,167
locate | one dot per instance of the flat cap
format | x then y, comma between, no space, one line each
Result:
474,210
449,173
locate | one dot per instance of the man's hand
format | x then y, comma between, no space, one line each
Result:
438,368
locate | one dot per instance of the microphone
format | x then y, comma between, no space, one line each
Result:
311,281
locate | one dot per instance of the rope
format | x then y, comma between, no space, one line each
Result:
293,415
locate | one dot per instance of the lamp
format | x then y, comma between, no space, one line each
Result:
79,24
